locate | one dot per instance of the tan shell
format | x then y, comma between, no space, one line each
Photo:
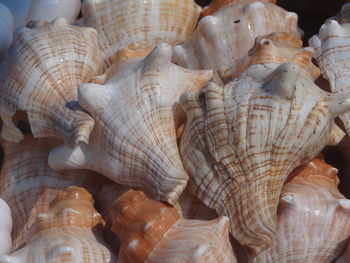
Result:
40,75
70,231
333,58
134,114
313,218
216,5
28,184
151,231
241,141
221,40
120,23
274,49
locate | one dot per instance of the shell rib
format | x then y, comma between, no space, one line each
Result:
70,231
40,75
28,184
5,228
6,29
241,141
120,23
216,5
313,218
333,58
134,140
152,232
221,40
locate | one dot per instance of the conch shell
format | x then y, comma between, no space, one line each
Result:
216,5
134,140
152,232
313,218
5,228
28,184
222,39
6,29
40,75
333,58
241,141
70,231
121,23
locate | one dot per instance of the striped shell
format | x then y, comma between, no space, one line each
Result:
40,75
313,218
333,58
222,39
70,231
241,141
134,140
28,184
120,23
153,232
5,228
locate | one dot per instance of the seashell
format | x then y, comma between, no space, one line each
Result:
28,184
216,5
6,28
42,10
312,224
121,23
138,126
274,49
343,17
5,228
151,232
222,39
70,231
34,79
345,256
283,121
331,46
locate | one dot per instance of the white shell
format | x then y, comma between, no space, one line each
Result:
42,10
134,140
5,228
6,29
333,58
222,39
241,141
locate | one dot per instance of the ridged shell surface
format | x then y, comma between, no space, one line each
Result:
120,23
313,218
333,58
216,5
5,228
241,141
6,29
70,231
40,75
223,38
134,141
153,232
28,184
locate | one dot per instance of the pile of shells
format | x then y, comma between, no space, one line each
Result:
157,131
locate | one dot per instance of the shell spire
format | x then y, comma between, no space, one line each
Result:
246,137
40,77
312,219
153,232
135,116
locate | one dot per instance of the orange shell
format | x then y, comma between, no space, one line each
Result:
140,223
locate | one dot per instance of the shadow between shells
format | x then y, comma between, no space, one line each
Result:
160,131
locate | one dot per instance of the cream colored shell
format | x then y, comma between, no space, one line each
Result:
134,140
241,141
40,75
222,39
5,228
145,23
